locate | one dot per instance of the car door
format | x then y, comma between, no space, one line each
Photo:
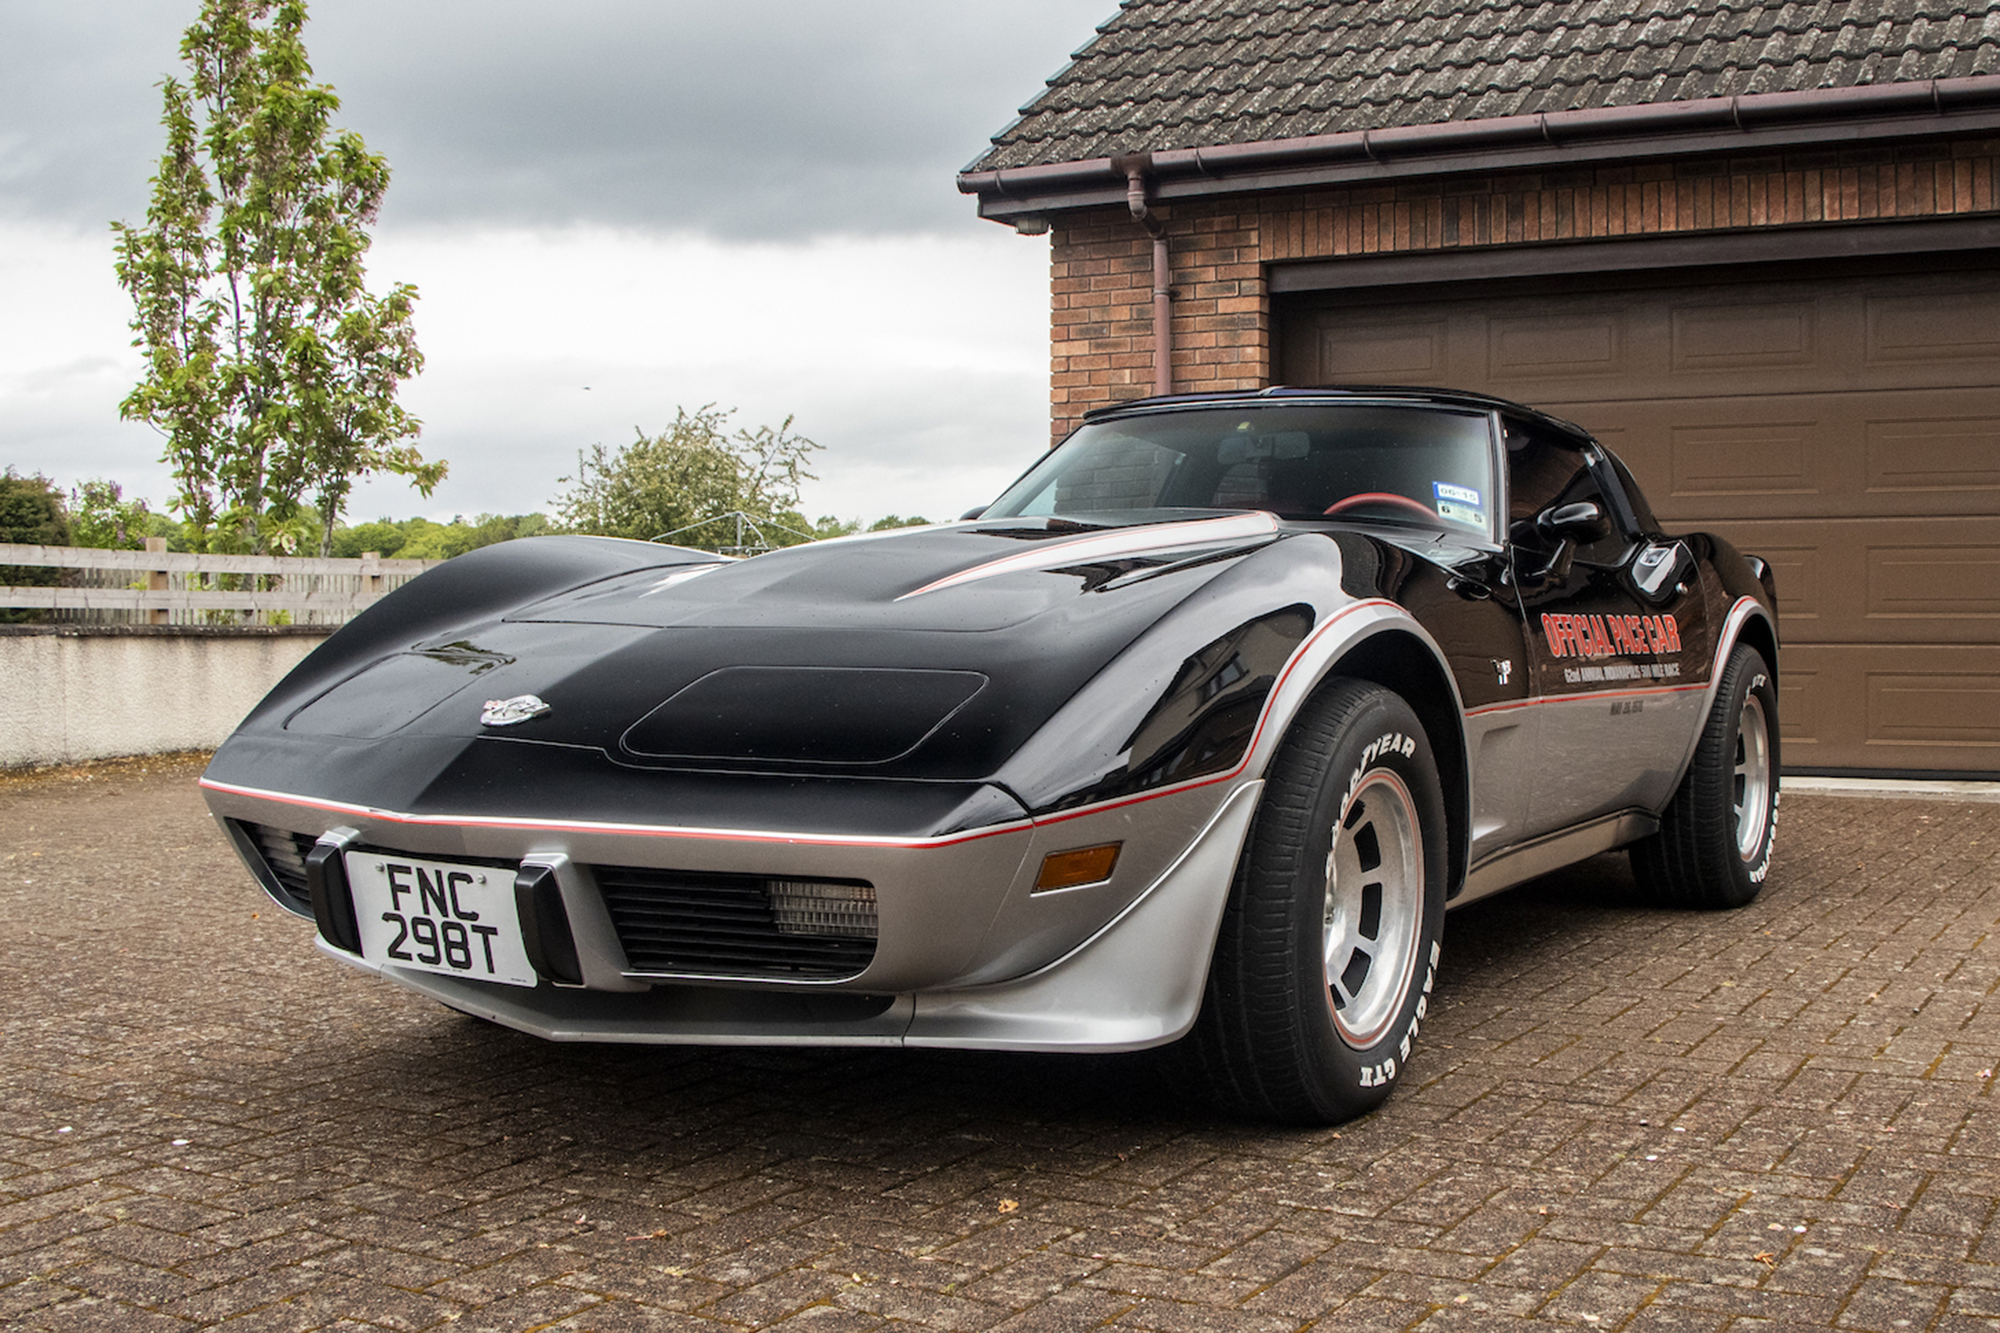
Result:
1615,619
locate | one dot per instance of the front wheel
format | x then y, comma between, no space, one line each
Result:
1714,844
1328,949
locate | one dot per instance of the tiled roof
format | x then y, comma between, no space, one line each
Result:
1197,73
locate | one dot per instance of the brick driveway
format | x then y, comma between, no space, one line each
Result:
1619,1118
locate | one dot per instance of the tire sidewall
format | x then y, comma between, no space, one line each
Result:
1383,737
1748,675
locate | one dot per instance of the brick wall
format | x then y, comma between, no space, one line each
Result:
1101,348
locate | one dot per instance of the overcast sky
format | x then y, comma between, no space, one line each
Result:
610,208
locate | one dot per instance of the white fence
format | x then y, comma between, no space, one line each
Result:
154,587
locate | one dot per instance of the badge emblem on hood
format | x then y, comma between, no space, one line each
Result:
506,712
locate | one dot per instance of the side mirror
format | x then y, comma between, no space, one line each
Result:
1582,521
972,513
1564,526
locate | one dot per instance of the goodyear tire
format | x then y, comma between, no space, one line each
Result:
1714,844
1324,962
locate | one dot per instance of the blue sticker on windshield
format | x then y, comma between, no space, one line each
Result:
1462,494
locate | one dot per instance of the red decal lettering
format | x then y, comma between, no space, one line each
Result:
1673,633
1602,648
1549,634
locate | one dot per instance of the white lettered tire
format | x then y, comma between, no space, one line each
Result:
1713,849
1328,950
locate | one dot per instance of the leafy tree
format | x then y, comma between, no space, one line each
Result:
829,526
894,521
31,514
421,539
384,537
684,481
101,516
32,511
270,368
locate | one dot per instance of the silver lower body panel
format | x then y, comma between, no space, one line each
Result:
969,955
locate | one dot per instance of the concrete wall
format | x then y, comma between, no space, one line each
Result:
69,693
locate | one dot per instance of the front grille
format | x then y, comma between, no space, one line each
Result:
674,923
284,855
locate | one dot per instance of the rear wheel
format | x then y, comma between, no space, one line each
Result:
1326,955
1713,849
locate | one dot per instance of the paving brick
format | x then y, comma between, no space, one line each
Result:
358,1158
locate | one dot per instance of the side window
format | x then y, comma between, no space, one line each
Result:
1543,472
1540,472
1635,499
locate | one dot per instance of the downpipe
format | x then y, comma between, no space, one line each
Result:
1163,294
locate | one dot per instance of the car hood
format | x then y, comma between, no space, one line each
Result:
930,653
969,577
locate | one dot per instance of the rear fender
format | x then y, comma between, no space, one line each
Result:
1747,622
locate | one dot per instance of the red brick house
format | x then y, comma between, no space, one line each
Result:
1754,247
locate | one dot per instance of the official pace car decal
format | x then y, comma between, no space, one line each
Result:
1614,636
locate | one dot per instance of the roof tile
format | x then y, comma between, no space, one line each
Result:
1192,73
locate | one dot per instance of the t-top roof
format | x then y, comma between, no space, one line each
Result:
1164,74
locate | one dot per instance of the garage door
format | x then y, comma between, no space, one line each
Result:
1844,426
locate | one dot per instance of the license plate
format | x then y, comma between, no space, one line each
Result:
433,916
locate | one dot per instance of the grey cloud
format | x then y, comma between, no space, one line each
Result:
761,118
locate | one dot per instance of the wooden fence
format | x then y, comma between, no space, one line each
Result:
155,587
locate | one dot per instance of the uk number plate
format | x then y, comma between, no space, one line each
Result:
433,916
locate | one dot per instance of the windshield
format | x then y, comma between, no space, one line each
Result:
1418,465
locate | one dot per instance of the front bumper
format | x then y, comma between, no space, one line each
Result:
967,953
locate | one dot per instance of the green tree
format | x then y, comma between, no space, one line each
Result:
270,368
831,525
421,539
31,514
383,536
101,516
686,480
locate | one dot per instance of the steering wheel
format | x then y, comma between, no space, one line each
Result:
1388,498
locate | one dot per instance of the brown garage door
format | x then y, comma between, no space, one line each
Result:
1845,426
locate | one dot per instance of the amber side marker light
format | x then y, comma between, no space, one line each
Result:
1085,865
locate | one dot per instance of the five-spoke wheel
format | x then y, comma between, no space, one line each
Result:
1714,844
1327,951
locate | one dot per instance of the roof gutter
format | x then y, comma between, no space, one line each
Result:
1715,124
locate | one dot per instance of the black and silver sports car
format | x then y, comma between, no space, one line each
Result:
1193,735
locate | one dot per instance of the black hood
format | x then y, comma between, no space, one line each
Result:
929,653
